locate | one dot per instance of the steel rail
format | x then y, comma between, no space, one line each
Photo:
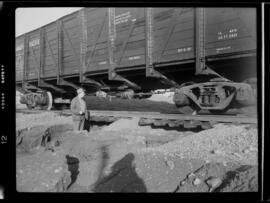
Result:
240,119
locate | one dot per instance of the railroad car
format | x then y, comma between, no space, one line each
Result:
206,55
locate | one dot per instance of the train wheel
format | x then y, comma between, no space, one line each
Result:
31,101
49,104
189,108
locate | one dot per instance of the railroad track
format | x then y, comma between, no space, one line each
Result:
160,120
176,120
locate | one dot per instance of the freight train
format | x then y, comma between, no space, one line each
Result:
207,56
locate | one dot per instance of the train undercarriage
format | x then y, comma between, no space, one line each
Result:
216,95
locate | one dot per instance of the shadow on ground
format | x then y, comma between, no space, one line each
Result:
73,166
123,177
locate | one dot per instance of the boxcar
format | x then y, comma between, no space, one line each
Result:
95,44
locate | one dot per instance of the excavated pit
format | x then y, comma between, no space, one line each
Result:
30,139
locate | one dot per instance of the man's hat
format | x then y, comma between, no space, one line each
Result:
80,90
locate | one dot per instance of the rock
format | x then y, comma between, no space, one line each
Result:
28,140
63,183
244,134
197,181
182,183
57,170
246,151
253,149
191,175
237,155
217,151
57,143
207,161
211,170
170,164
213,183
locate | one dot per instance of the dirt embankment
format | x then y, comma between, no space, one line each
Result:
124,157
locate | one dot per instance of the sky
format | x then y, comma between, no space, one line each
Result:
28,19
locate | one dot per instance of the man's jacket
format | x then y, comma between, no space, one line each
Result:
76,106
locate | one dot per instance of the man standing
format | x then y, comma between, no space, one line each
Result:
79,111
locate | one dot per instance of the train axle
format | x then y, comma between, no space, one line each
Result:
43,100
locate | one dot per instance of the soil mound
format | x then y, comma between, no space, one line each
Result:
123,124
221,143
40,136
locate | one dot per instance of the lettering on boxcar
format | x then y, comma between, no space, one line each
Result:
229,34
134,57
32,74
34,42
102,62
19,47
221,49
122,18
184,49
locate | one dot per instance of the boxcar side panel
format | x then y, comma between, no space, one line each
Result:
97,39
51,52
130,45
71,44
227,31
174,34
33,55
19,58
230,30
